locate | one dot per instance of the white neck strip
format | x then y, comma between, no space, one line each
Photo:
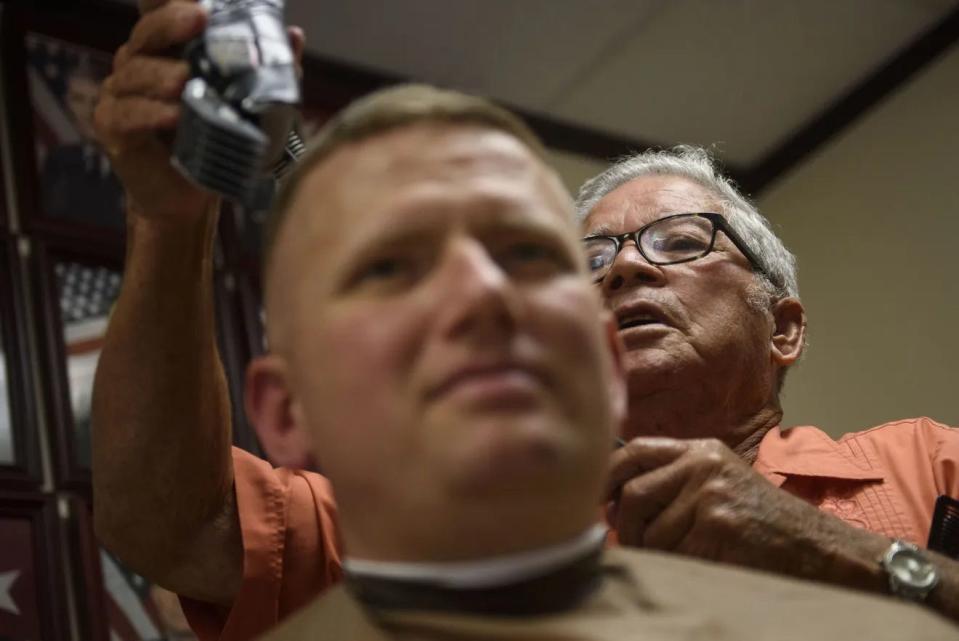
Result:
483,573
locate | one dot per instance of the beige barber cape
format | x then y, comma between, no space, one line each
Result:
646,596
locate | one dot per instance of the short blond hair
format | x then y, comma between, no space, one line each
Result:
383,111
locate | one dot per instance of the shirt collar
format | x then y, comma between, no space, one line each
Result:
807,451
485,573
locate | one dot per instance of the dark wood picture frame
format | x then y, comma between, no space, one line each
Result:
235,354
250,292
45,254
87,575
25,470
47,563
6,221
102,30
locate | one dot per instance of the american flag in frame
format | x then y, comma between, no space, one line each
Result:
32,590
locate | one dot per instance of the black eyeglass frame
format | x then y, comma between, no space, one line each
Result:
719,223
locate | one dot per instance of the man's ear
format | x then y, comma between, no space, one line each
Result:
617,381
789,331
275,414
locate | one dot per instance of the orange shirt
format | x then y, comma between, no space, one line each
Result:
290,549
885,479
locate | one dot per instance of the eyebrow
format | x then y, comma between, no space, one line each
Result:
602,230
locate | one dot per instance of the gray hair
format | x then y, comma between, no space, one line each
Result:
695,163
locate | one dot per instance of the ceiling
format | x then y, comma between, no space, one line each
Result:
739,74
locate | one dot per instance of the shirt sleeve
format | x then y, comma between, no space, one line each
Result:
290,550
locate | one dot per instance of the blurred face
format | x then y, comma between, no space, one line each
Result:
82,101
690,326
442,340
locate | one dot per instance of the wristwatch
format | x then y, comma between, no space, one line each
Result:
912,576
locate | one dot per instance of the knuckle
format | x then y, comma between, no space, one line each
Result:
720,518
716,491
713,444
713,456
633,491
711,452
121,55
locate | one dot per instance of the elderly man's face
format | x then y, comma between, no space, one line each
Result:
443,341
684,326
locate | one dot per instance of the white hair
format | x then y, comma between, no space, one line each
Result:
776,263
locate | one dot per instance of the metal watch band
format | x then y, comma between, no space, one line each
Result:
912,576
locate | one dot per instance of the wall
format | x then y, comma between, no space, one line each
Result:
573,169
874,221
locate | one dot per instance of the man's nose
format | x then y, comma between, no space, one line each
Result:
631,269
478,296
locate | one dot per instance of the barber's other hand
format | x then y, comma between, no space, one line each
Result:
139,107
698,498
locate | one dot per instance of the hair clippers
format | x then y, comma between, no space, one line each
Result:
238,108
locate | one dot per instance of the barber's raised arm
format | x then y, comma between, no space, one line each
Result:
162,470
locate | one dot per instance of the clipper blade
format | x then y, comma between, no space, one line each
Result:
217,148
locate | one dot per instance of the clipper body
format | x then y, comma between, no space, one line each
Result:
240,102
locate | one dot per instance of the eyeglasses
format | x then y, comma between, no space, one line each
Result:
679,238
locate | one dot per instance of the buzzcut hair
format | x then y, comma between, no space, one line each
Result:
383,111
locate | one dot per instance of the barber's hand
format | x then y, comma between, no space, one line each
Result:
698,498
139,108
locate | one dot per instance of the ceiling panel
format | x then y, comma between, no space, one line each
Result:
741,73
524,51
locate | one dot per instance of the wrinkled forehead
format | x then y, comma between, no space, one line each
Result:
645,199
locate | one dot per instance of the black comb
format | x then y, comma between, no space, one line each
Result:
944,533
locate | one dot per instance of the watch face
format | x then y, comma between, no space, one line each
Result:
911,569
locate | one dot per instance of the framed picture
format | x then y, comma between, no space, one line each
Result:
32,591
57,62
6,225
76,290
115,603
19,456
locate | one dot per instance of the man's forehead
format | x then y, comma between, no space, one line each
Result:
647,198
423,167
433,150
365,178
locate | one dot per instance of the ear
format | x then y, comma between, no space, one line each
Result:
618,397
275,414
789,331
